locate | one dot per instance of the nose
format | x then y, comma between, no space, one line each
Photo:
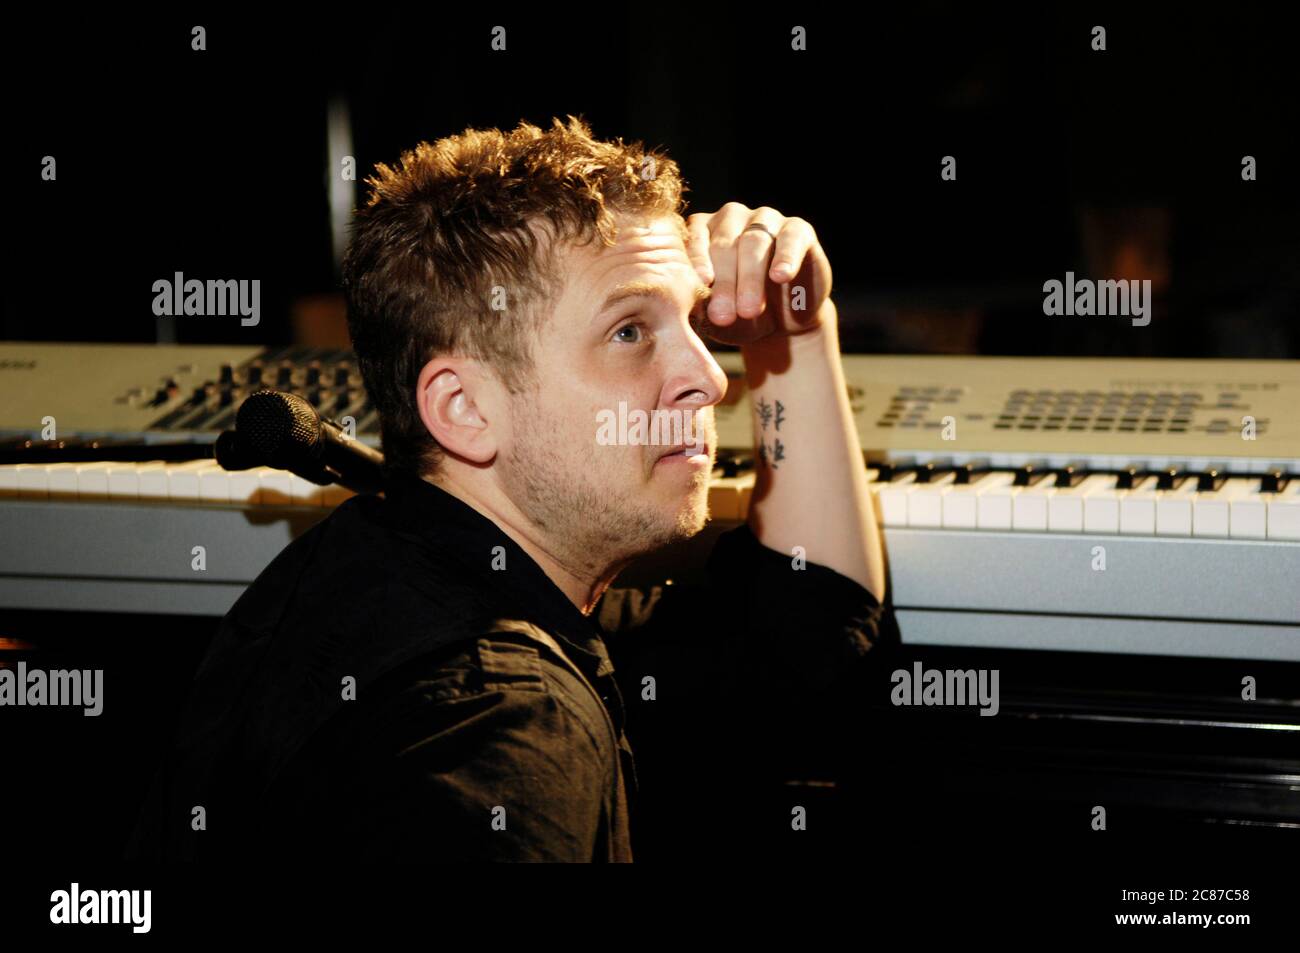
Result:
694,378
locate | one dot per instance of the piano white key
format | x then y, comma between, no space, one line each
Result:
92,481
1174,510
893,500
1137,509
214,483
1065,504
957,507
925,502
61,481
1247,510
1284,512
124,481
245,487
153,480
1029,507
277,486
1211,511
305,493
183,479
995,507
1101,505
33,480
48,480
961,503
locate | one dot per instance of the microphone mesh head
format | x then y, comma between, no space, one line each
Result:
275,424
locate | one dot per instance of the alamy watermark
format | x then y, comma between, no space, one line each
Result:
76,906
670,428
58,687
1086,297
922,686
180,296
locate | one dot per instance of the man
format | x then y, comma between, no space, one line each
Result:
442,673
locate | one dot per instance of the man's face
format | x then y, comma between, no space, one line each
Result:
605,344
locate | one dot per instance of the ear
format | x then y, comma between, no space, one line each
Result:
457,403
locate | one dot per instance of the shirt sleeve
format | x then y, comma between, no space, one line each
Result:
458,771
759,620
740,682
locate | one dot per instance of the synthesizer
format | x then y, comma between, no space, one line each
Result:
1118,538
1098,505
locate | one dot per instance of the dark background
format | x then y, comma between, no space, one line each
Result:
1122,163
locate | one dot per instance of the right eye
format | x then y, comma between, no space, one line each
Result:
633,326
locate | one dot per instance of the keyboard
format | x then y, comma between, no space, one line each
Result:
1117,538
1128,506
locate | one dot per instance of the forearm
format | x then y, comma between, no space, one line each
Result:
811,486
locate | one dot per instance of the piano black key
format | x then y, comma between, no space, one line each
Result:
926,472
1274,481
891,470
1069,475
1128,477
1210,481
1029,475
91,451
968,473
1170,478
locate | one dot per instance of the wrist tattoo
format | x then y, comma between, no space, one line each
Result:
770,417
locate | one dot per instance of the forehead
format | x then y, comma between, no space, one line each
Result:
648,254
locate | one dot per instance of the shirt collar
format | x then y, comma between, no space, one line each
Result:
443,520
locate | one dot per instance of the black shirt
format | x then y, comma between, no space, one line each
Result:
403,681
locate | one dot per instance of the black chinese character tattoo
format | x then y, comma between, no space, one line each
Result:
768,415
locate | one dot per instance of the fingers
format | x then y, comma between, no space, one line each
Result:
753,252
724,226
697,247
793,243
738,261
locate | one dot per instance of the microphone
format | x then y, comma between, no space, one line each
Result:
281,430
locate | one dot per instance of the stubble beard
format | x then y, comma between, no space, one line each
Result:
591,517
